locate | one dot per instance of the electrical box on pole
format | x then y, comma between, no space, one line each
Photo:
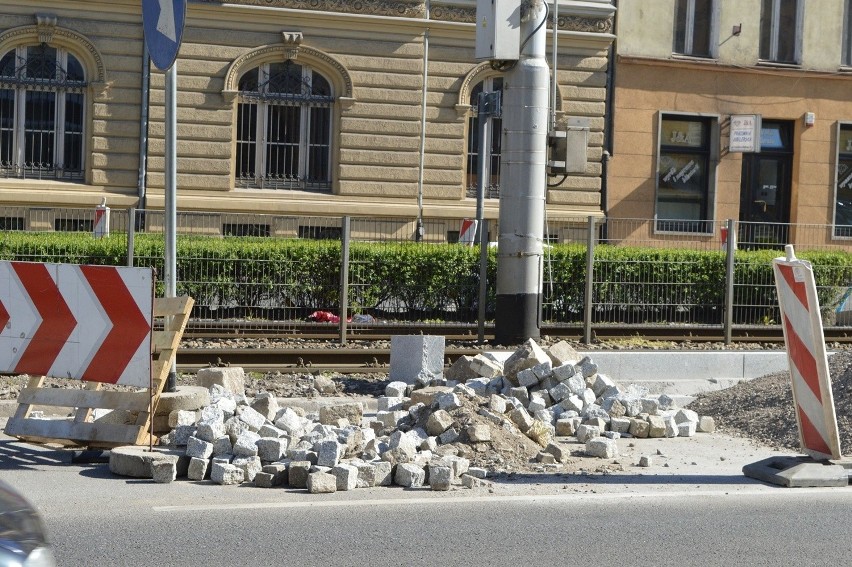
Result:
498,30
567,151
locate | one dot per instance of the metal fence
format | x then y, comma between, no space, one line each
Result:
624,272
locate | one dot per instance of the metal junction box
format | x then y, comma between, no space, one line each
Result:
498,30
568,151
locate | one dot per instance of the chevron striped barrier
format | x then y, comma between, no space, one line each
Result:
90,323
803,335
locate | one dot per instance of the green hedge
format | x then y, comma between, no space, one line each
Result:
290,278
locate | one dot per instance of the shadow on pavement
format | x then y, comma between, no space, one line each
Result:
625,479
15,455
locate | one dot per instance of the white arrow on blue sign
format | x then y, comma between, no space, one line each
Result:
163,21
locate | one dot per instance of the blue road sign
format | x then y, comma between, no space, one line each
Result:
163,21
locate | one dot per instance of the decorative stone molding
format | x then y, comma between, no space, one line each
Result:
46,26
580,24
76,43
334,71
292,41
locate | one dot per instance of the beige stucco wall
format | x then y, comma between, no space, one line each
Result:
645,29
645,89
377,135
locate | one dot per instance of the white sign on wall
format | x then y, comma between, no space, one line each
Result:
745,133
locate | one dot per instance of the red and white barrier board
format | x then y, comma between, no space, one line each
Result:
90,323
467,234
803,335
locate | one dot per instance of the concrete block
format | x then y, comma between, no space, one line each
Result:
440,477
656,426
181,434
266,405
588,397
545,458
234,428
614,407
231,378
195,447
540,432
572,403
586,367
409,475
353,412
226,473
163,471
464,391
291,422
210,430
451,435
329,453
706,424
222,446
249,465
272,448
527,377
264,480
577,384
651,406
687,429
198,468
602,447
246,444
209,414
685,415
645,461
639,428
479,386
497,404
470,481
520,393
438,422
384,472
253,419
346,475
397,389
601,383
620,424
521,418
543,370
321,483
447,401
598,422
477,472
527,356
486,367
666,402
479,433
461,370
537,402
279,472
563,372
587,432
671,426
562,353
460,465
390,418
297,476
398,455
416,358
385,403
182,417
366,474
559,452
547,416
271,431
565,427
559,392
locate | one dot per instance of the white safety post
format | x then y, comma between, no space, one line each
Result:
803,336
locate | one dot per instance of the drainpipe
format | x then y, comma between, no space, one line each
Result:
418,236
143,127
609,106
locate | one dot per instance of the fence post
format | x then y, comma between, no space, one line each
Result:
729,280
590,272
483,279
344,277
131,235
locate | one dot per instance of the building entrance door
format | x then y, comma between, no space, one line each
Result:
765,189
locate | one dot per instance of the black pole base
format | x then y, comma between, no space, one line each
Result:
517,318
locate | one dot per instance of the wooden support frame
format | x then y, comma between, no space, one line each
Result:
140,405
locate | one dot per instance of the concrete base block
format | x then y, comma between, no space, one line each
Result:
416,358
232,378
797,472
135,461
186,398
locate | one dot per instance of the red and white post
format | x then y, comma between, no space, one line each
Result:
101,227
805,342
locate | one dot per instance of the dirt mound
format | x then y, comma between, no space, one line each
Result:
763,408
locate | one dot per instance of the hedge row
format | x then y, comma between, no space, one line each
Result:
283,278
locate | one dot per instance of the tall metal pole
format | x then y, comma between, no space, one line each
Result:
484,144
171,198
418,235
522,184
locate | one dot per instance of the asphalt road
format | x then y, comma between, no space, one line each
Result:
693,512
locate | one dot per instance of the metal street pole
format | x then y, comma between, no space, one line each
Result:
522,184
171,198
488,105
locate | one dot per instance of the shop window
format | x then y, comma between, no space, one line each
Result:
284,128
694,28
843,183
685,174
492,185
321,232
780,30
73,225
41,113
245,229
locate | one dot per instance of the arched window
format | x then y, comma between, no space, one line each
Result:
284,120
492,186
41,113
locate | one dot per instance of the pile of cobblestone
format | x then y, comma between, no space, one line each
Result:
438,430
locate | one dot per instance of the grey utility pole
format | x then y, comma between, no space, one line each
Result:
523,181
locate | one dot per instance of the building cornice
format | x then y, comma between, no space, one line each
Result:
716,65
